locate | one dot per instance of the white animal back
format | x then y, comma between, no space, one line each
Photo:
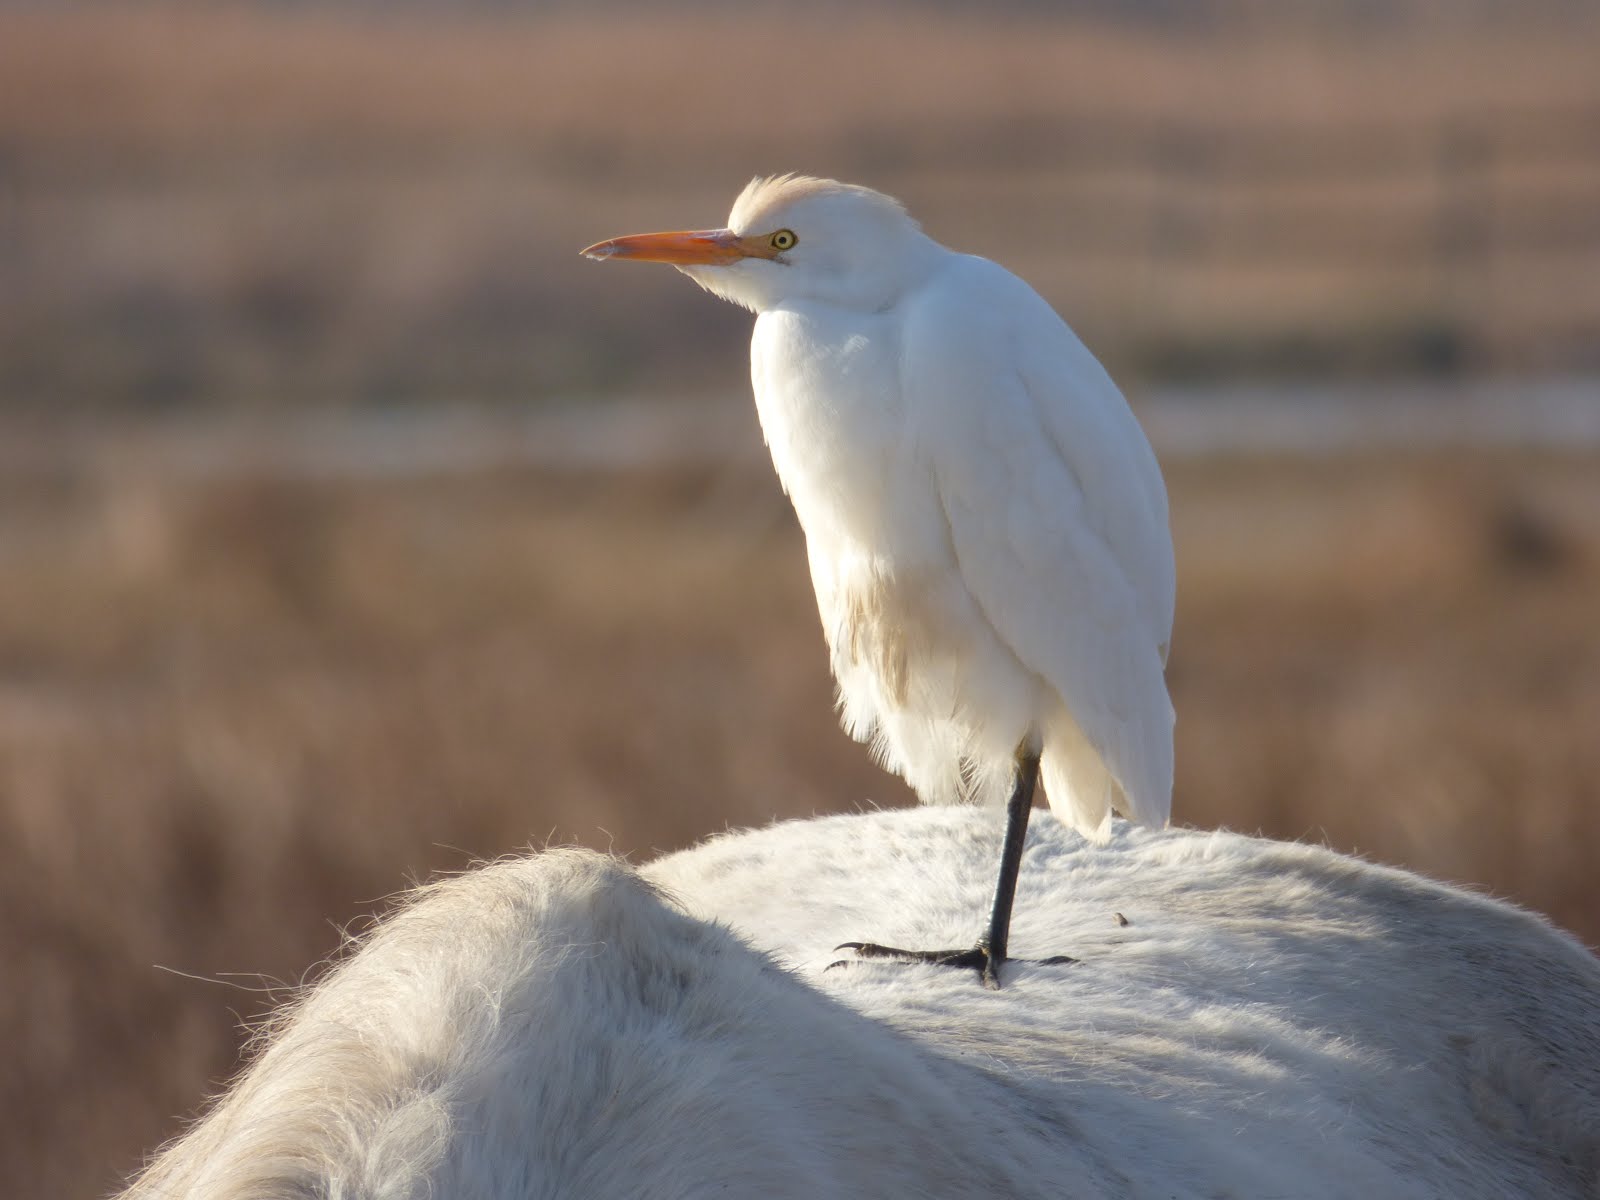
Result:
1271,1020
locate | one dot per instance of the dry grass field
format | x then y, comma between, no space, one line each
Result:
239,708
235,714
215,203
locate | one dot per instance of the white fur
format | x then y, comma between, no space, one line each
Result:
1272,1021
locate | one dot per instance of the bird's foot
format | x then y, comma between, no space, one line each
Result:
978,958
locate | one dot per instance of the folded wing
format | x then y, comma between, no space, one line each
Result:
1057,517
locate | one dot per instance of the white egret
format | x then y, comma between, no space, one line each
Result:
985,520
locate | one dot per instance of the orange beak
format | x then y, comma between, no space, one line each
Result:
702,247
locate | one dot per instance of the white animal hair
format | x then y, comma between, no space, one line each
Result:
1271,1020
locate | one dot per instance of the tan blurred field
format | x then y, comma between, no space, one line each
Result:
213,203
236,713
239,707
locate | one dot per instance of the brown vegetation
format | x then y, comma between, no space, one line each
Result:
219,203
239,712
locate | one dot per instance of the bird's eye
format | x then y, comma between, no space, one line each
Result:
784,239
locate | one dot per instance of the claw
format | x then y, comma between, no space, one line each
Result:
977,958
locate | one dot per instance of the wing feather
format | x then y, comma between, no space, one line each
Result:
1057,516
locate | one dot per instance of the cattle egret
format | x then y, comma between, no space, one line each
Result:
985,520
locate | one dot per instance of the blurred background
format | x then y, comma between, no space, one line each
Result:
352,528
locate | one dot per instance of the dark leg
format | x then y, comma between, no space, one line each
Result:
990,951
1018,808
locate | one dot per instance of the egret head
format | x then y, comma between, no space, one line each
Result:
792,237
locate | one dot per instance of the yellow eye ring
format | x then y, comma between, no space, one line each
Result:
784,239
